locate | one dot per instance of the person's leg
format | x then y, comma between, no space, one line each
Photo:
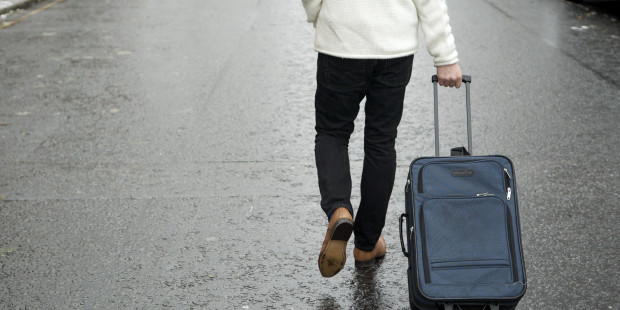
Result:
340,89
384,107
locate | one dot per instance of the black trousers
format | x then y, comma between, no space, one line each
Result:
342,84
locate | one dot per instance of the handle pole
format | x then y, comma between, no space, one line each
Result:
467,81
436,118
468,107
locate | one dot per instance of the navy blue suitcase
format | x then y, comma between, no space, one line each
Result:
462,229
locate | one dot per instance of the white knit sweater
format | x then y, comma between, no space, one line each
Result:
381,28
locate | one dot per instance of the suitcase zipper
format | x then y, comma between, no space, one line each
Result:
425,263
507,179
511,243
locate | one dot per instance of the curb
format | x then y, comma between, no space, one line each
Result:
9,5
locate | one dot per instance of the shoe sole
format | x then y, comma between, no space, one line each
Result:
334,257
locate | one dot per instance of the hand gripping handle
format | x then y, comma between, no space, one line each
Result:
466,78
467,81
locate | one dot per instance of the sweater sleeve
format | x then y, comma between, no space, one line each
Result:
312,7
435,23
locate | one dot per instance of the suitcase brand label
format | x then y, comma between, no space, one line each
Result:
460,173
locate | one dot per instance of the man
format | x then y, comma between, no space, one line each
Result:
366,49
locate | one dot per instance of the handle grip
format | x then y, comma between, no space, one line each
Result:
466,78
467,81
400,228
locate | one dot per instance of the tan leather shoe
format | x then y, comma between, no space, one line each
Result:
333,253
364,259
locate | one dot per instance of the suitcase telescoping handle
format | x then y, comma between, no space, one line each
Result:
467,81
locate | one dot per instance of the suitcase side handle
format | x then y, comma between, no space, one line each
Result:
467,81
400,229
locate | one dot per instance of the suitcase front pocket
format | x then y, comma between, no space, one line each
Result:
462,177
466,241
471,272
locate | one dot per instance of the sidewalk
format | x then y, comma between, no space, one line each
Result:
8,5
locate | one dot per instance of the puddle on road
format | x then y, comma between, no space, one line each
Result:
587,32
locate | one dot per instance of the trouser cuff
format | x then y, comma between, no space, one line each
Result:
330,210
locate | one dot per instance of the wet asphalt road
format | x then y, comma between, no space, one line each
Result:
159,154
